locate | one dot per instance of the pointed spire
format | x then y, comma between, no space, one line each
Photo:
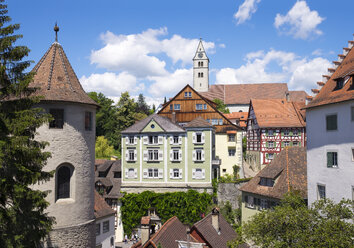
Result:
56,30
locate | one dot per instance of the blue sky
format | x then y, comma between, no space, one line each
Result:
147,46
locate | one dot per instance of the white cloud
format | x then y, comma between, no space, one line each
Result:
171,84
138,54
111,84
300,73
305,76
300,21
246,10
317,52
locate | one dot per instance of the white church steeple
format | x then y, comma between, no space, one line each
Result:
200,69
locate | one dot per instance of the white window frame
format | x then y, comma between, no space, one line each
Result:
234,152
198,174
319,193
233,139
270,132
250,202
175,173
286,132
334,159
131,173
270,156
205,106
286,143
131,155
199,106
271,144
214,122
105,226
177,106
195,138
221,121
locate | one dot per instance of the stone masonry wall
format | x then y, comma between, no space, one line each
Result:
230,192
82,236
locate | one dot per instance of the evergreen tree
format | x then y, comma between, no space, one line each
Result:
164,100
142,107
23,222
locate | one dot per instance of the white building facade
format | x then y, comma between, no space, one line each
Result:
330,132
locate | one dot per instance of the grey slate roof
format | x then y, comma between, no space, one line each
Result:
165,123
198,122
109,181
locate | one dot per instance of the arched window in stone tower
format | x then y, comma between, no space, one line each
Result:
63,182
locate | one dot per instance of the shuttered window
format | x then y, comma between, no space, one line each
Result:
331,122
63,186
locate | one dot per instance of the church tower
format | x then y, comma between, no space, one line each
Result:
71,137
200,69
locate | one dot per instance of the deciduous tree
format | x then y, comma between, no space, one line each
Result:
221,106
293,224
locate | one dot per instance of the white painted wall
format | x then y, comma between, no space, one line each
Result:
238,107
105,238
339,181
76,146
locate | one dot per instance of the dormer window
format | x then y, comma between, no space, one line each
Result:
265,181
341,82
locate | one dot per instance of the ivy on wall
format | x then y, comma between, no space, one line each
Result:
187,206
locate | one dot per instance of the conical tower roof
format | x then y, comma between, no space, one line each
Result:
56,78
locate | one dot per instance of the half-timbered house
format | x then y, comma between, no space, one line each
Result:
187,105
272,125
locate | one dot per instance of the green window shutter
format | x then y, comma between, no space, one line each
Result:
299,132
291,143
291,133
267,156
329,159
282,133
266,132
267,145
282,144
300,143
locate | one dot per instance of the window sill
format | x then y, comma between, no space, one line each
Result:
65,201
333,167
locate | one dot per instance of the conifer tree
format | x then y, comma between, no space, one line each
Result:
23,222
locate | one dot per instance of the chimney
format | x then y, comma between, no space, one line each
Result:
287,96
145,229
215,219
174,117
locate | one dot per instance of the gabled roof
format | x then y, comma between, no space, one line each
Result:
210,102
165,123
277,113
171,231
206,230
56,78
198,122
277,169
243,93
329,94
102,209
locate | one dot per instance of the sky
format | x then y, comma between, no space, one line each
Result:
147,47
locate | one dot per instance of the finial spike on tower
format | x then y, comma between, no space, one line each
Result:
56,29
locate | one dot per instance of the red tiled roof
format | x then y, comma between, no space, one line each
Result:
145,220
206,230
277,113
329,93
171,231
237,115
297,176
56,78
102,209
243,93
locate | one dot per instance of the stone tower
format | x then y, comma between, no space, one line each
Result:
71,135
200,69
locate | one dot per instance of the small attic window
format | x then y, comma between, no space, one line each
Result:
341,82
152,126
266,182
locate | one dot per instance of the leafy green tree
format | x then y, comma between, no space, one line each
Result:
23,221
102,148
293,224
141,105
187,206
106,119
221,106
126,116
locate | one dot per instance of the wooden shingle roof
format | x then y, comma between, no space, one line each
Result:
56,78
